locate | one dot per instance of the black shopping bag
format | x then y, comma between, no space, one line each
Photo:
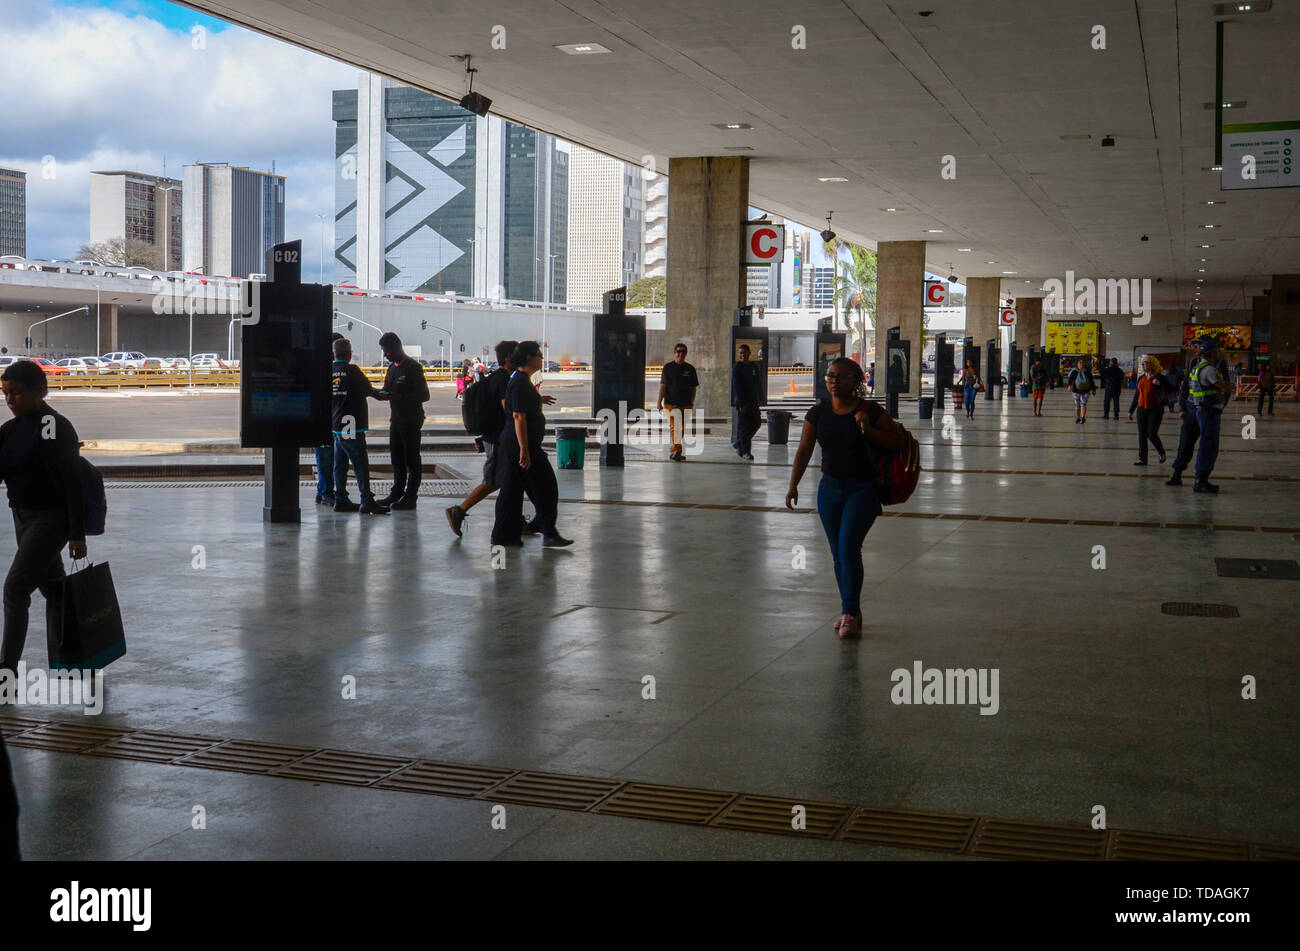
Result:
91,635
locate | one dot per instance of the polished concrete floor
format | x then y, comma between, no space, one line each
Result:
539,664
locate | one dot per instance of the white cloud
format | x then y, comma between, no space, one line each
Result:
102,90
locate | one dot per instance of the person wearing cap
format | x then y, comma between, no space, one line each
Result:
746,396
1208,389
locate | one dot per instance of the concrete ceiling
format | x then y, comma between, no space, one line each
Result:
879,96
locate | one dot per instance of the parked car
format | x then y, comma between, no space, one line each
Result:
14,261
76,366
51,368
75,267
208,363
209,355
577,365
551,366
179,363
155,363
127,359
350,289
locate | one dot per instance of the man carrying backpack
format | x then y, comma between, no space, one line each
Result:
485,416
1082,384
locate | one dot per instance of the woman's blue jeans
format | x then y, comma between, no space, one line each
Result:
847,508
968,399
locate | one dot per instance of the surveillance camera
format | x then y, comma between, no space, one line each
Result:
1108,142
952,278
1145,238
828,235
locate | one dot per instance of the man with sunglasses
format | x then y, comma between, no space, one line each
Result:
677,385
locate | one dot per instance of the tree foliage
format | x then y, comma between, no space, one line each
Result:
123,252
648,292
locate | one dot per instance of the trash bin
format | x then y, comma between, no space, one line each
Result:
778,427
926,407
1024,389
570,446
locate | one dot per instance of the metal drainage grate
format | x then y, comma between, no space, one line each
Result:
154,747
445,779
1008,839
666,803
761,814
240,756
337,766
1268,569
12,726
553,791
1195,609
1148,847
910,830
66,737
1271,853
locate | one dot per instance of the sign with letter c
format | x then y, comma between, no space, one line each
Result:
936,294
764,243
1008,317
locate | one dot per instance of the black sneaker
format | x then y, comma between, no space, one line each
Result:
1175,479
388,499
749,457
556,541
346,505
374,508
529,529
1204,485
404,504
324,500
1140,462
456,516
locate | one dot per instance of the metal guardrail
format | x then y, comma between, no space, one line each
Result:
1287,387
142,377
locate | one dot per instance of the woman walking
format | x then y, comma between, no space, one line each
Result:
970,383
848,428
1149,400
39,463
524,467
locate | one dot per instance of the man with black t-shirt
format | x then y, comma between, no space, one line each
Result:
492,464
350,420
746,395
406,391
677,385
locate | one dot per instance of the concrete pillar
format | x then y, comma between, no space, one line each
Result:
1029,322
983,301
107,328
1284,320
900,287
708,204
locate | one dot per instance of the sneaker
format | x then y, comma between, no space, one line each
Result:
388,499
373,508
1175,479
346,505
456,516
325,500
749,457
1204,485
1140,462
848,627
404,504
556,541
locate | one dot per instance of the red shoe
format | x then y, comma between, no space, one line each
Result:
850,626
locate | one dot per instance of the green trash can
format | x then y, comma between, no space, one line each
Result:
570,446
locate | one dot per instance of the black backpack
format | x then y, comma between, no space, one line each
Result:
93,501
480,413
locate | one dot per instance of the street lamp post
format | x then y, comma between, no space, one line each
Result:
46,320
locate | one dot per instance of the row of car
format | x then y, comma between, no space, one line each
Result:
122,361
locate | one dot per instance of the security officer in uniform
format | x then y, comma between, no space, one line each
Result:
1208,390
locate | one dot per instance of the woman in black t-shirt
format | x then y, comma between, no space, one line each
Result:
525,467
845,427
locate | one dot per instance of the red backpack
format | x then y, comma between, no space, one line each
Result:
898,470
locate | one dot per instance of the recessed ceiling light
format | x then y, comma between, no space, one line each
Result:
732,126
934,231
963,249
1236,104
1207,245
739,148
1008,272
1201,270
1207,226
582,49
1220,202
834,179
1211,168
889,209
1075,136
990,262
1204,259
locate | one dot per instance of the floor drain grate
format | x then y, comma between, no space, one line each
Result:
1271,853
910,830
1268,569
1148,847
154,747
445,779
66,737
12,726
1006,839
240,756
336,766
553,791
666,803
761,814
1195,609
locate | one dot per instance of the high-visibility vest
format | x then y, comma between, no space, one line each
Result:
1200,397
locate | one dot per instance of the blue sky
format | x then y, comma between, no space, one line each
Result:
171,15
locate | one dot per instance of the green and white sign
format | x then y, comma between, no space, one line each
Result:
1260,155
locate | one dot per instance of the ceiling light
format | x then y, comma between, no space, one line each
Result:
1207,226
934,231
1219,202
963,249
739,148
732,126
836,179
990,262
1008,272
889,209
1200,270
1206,245
1237,104
1074,136
582,49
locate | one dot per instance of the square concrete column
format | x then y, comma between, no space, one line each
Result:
107,342
900,287
1284,319
983,301
708,204
1029,322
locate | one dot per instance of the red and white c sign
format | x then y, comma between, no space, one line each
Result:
1008,316
936,293
764,243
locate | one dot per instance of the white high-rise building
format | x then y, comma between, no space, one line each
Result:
232,216
137,207
656,225
606,226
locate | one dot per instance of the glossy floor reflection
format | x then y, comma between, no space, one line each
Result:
540,664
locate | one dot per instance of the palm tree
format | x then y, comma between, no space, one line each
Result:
857,289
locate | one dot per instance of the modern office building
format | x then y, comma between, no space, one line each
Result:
606,226
13,212
232,216
819,286
656,225
138,207
430,197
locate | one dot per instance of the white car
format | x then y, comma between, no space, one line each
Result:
76,366
132,359
155,363
202,362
